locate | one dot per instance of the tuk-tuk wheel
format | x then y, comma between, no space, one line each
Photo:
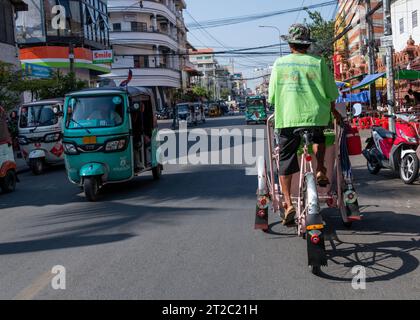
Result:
37,166
8,183
91,188
157,172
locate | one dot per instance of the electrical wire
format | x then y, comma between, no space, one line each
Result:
248,18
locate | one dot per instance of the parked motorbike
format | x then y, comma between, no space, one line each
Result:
394,151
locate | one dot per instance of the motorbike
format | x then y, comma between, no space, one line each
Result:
40,136
394,151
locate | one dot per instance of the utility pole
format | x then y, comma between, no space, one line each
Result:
387,43
371,54
71,57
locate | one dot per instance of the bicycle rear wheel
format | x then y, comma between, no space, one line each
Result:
314,226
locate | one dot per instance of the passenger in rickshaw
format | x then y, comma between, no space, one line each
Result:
142,133
303,91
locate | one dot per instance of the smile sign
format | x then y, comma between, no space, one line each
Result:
102,56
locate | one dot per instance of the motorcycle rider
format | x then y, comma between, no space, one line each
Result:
303,91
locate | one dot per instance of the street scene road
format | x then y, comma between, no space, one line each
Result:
191,235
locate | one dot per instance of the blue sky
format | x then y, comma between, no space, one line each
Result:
245,34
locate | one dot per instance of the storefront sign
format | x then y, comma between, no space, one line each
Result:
102,56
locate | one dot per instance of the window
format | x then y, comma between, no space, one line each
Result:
141,62
138,26
116,27
414,18
401,25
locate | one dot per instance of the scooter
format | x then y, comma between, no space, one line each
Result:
394,151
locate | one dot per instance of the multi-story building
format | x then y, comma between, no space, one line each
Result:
150,38
45,40
8,49
351,50
206,63
405,16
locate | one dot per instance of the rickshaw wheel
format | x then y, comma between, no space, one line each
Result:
8,183
37,166
91,188
157,172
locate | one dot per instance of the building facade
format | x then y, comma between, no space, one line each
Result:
8,50
45,40
206,63
350,56
405,15
150,38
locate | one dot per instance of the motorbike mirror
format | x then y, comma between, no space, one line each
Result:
357,109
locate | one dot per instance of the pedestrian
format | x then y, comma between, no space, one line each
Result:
415,94
4,132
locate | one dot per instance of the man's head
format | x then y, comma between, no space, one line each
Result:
410,91
299,38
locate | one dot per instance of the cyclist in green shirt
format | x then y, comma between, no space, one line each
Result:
303,91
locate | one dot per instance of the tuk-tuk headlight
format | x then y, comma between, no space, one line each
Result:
23,140
70,148
52,137
115,145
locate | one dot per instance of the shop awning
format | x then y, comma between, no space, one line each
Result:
407,75
368,80
341,84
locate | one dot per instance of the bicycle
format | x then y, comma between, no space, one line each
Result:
306,195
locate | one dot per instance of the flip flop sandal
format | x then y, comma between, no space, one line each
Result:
289,219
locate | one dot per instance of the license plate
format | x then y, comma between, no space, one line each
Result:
89,140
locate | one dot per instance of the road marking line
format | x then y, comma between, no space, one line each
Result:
32,290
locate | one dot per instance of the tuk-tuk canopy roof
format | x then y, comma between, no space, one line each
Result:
132,91
44,102
255,97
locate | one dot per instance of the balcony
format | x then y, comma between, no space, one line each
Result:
145,38
149,6
148,77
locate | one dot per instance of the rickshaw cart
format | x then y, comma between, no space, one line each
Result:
339,194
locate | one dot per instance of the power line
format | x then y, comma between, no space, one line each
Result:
241,19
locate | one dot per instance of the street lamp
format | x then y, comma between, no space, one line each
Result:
274,27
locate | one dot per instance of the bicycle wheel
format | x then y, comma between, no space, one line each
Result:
314,226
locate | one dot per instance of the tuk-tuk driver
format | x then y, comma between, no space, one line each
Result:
303,91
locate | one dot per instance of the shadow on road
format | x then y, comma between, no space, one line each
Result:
384,260
123,208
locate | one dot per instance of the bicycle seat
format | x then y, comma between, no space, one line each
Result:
302,131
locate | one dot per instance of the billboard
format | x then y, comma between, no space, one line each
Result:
37,71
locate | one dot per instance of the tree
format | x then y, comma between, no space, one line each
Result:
58,86
323,32
225,93
9,76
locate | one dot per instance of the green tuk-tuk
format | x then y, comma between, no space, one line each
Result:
109,136
256,110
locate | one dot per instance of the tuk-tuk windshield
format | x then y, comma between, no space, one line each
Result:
37,116
256,103
95,111
183,108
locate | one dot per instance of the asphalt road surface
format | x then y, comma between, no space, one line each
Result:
190,236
